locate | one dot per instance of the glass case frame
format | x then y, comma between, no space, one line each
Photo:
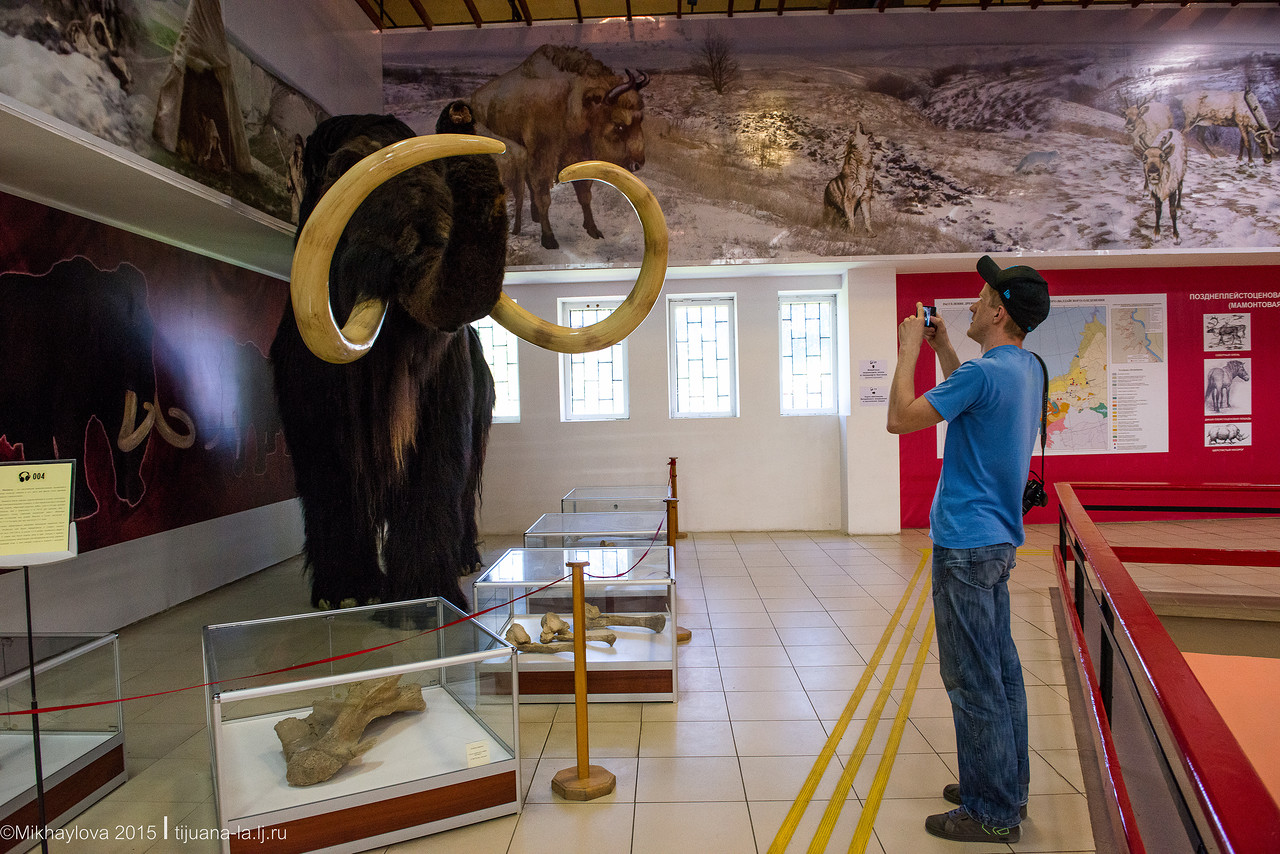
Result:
81,750
454,764
597,529
622,499
641,665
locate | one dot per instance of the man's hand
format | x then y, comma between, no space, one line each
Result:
911,331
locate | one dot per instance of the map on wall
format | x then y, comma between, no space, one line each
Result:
1108,379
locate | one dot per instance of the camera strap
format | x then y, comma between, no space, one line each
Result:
1044,411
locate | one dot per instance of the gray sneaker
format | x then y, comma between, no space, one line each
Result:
959,826
951,793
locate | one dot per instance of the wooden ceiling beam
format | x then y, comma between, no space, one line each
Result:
421,12
371,12
628,10
730,8
577,7
781,5
524,10
475,13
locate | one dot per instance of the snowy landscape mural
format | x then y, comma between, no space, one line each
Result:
162,79
974,146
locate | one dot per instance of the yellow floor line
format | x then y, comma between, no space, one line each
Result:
871,806
792,820
832,814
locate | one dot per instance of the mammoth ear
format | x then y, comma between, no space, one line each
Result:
592,98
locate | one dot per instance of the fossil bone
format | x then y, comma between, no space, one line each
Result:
519,638
554,628
595,619
321,744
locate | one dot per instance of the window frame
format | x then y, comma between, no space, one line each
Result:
512,383
676,301
564,307
831,299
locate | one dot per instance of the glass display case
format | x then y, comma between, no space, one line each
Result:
400,720
81,750
597,530
633,588
624,499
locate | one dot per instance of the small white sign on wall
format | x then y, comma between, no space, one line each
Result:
873,369
877,395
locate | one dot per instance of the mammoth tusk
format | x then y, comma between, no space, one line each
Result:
626,317
168,433
309,279
131,436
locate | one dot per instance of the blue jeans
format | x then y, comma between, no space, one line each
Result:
983,678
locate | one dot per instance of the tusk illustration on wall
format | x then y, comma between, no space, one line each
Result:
168,433
626,317
131,433
309,278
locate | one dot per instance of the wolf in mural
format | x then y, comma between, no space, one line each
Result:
851,190
387,451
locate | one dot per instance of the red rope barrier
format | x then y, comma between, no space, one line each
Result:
333,658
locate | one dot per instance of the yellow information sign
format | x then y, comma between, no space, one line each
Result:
35,507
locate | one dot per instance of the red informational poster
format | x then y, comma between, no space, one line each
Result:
146,364
1157,375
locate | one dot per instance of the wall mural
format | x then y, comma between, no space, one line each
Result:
789,143
160,78
146,364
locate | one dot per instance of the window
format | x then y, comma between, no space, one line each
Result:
703,357
594,385
500,353
807,346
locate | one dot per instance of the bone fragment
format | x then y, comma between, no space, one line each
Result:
318,746
554,628
595,619
519,638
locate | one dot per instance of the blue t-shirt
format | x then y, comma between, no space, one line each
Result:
992,409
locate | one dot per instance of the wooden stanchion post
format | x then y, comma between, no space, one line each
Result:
584,781
683,635
673,518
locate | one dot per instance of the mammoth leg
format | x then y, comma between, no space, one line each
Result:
481,419
583,189
425,513
341,548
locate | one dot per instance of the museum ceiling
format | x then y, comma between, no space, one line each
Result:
432,14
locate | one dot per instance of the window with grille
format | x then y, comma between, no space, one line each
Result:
500,352
703,357
594,384
807,346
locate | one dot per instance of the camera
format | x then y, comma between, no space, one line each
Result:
1033,494
929,311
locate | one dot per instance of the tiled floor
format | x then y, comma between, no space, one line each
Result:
783,626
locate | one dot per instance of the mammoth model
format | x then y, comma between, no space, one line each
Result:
50,393
387,418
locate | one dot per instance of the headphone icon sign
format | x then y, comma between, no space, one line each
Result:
23,477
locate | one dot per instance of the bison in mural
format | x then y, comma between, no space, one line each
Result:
78,346
563,106
387,451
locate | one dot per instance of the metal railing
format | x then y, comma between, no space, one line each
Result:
1176,778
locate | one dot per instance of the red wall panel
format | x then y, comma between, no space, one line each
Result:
1191,293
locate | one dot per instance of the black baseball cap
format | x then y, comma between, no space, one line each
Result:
1023,291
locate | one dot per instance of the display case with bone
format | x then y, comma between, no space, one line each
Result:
595,619
321,744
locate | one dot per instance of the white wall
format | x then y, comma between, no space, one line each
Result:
109,588
758,471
